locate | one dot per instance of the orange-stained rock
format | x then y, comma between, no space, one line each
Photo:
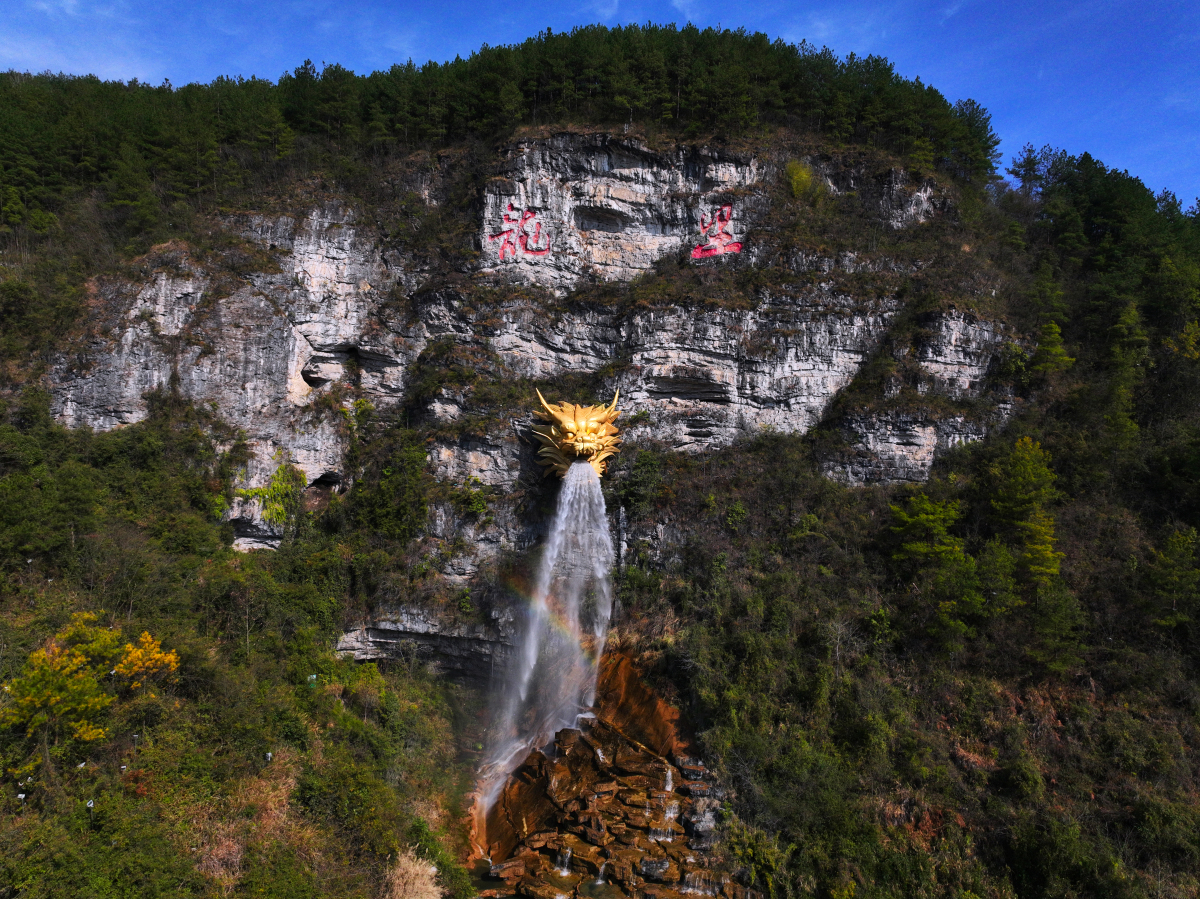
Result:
654,891
585,857
512,869
621,804
538,889
539,840
522,810
568,778
635,710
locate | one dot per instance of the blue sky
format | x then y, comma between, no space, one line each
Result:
1118,79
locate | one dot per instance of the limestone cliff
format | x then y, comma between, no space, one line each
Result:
595,207
320,308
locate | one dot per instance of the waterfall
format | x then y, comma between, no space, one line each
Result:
554,674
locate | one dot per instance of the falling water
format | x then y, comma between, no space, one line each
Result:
554,676
564,861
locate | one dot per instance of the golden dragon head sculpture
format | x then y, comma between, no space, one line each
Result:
571,433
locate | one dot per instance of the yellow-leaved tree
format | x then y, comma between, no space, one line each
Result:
146,662
66,686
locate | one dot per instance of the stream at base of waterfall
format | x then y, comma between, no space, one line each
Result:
554,676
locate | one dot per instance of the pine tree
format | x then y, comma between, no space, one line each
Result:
131,192
1023,484
1046,295
1175,580
1038,558
1050,357
923,531
942,572
1026,168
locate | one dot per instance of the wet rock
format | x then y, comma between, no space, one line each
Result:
631,707
566,738
540,889
512,869
523,809
586,858
540,840
691,769
641,762
681,854
631,829
652,891
660,870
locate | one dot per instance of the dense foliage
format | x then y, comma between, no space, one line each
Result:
199,737
148,146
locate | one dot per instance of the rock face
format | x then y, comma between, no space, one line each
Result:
702,378
898,447
954,352
261,350
470,651
279,344
597,208
958,352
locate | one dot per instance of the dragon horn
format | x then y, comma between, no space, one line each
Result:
544,403
614,402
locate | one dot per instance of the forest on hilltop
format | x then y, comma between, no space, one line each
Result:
984,686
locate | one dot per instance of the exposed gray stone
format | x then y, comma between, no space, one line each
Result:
898,446
602,208
468,650
958,352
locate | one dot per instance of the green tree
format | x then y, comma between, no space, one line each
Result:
1175,580
921,529
1023,486
1027,169
131,192
1050,357
1046,294
942,571
1023,483
997,579
1039,561
394,503
1130,355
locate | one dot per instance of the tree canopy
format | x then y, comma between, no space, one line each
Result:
140,142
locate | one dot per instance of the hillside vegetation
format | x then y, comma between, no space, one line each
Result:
987,686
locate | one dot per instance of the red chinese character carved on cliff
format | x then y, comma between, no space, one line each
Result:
516,238
717,239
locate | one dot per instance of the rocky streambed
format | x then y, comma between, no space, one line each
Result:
599,814
597,809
